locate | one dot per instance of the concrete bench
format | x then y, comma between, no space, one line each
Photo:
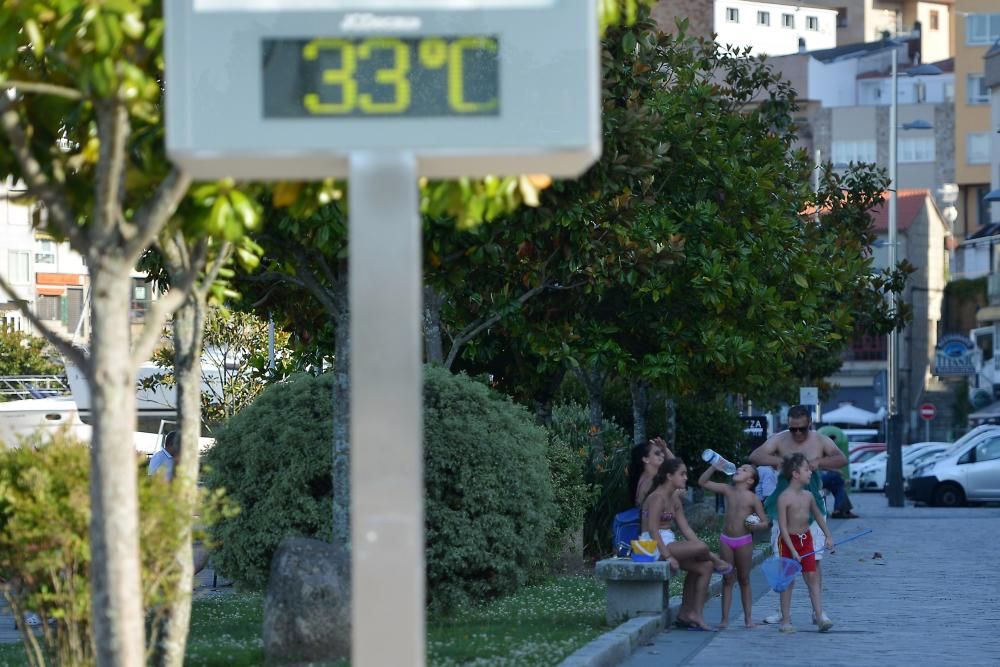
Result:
635,589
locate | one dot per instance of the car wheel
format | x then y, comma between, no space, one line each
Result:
949,495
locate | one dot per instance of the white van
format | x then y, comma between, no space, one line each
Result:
969,471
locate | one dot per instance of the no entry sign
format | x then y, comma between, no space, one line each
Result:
927,411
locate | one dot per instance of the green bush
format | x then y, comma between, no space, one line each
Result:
607,475
274,459
489,497
572,493
45,549
489,501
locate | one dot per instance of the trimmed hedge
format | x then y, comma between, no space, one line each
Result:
489,502
489,498
274,459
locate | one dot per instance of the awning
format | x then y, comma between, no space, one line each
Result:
988,314
50,291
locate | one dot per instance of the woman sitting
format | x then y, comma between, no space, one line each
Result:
646,461
661,509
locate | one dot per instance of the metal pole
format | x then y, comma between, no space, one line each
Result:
387,518
927,430
894,464
270,343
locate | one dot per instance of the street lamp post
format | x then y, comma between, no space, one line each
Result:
894,417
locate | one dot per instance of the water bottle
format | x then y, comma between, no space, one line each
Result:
713,458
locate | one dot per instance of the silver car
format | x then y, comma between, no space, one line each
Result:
969,471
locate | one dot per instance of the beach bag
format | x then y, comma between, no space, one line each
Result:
645,551
624,528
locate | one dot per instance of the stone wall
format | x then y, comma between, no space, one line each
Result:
698,12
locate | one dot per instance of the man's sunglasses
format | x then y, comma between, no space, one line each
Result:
798,429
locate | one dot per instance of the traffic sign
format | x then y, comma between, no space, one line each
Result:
927,411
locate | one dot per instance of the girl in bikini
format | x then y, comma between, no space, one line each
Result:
743,515
661,509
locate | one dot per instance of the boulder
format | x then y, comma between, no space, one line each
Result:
307,612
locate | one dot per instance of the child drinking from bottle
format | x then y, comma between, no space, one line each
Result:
743,515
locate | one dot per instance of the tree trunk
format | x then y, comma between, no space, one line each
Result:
543,399
433,347
640,409
114,526
189,328
342,431
593,381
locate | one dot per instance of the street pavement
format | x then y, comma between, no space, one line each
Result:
932,598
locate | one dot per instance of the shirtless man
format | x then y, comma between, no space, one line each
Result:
821,453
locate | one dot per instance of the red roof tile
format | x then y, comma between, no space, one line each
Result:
909,203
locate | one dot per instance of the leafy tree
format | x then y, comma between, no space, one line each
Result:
82,129
24,354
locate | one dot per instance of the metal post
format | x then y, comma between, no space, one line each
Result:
894,464
387,519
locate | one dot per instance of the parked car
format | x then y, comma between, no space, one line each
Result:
861,453
873,477
878,458
968,471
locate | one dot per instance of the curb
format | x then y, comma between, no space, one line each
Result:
615,646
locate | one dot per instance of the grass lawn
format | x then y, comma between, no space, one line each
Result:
539,625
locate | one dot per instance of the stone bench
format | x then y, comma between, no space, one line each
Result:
635,589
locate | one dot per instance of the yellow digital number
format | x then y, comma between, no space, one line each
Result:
342,76
456,73
433,53
397,75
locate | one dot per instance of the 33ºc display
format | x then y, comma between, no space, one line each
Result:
330,77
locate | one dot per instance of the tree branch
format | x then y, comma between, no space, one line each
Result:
149,220
42,89
65,346
311,282
61,214
157,315
112,131
212,272
474,329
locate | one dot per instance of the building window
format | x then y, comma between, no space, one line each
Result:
49,307
982,29
977,148
935,25
45,251
140,299
763,18
788,20
916,149
19,266
949,91
844,152
841,17
812,23
977,92
732,15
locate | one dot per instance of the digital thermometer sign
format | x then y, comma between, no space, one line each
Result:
331,77
289,89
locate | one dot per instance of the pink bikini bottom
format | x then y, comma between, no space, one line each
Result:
736,542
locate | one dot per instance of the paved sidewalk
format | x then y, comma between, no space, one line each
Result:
932,599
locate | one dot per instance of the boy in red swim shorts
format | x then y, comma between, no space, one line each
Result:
795,506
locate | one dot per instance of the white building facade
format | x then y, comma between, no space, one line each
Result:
774,28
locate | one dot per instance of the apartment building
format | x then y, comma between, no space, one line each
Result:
976,31
854,21
774,28
47,274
